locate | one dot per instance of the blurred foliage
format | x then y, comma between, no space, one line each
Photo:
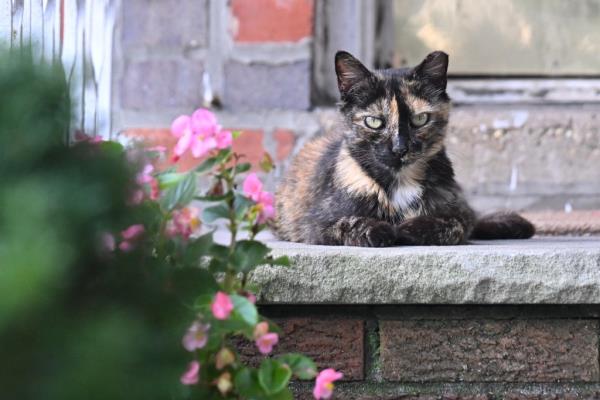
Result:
76,322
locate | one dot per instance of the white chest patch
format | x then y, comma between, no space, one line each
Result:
405,195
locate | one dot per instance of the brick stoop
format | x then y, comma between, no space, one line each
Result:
515,320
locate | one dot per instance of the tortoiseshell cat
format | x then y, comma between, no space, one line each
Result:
383,178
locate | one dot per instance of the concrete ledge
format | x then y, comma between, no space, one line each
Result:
557,270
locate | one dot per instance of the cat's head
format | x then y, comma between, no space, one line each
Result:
396,116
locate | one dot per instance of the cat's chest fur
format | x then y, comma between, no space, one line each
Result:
407,191
406,196
402,197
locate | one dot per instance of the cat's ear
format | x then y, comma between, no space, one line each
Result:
349,71
434,69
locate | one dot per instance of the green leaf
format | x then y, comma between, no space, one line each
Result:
213,213
210,163
181,194
247,385
169,179
266,164
236,134
213,198
244,310
204,300
189,283
219,251
249,254
284,261
273,376
241,204
111,147
197,248
285,394
216,266
302,366
243,167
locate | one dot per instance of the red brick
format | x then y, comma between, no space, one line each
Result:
250,145
272,20
285,143
334,344
162,137
343,393
490,351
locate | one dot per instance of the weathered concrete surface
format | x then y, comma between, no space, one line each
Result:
536,271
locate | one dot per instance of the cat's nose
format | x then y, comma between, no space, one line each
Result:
399,146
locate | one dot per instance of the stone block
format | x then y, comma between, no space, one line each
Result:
258,86
534,271
158,84
490,351
165,23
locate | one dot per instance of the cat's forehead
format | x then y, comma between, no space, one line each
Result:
398,87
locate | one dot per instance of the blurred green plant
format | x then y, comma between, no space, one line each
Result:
75,322
107,286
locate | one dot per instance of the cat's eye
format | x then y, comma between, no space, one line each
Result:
418,120
373,122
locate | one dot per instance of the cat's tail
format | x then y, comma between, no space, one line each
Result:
502,225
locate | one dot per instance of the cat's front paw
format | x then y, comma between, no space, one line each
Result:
364,232
372,234
380,235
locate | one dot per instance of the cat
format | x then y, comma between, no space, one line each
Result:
382,176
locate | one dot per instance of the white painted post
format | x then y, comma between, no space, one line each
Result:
85,50
5,22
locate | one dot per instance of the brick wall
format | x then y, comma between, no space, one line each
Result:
252,57
260,59
447,352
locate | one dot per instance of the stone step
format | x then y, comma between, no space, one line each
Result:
542,270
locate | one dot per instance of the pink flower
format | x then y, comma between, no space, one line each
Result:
204,122
181,126
324,383
196,336
252,186
184,222
266,203
126,246
145,178
130,236
262,328
146,175
108,242
200,133
264,339
190,377
201,146
224,139
136,198
183,144
266,342
251,298
222,306
133,232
